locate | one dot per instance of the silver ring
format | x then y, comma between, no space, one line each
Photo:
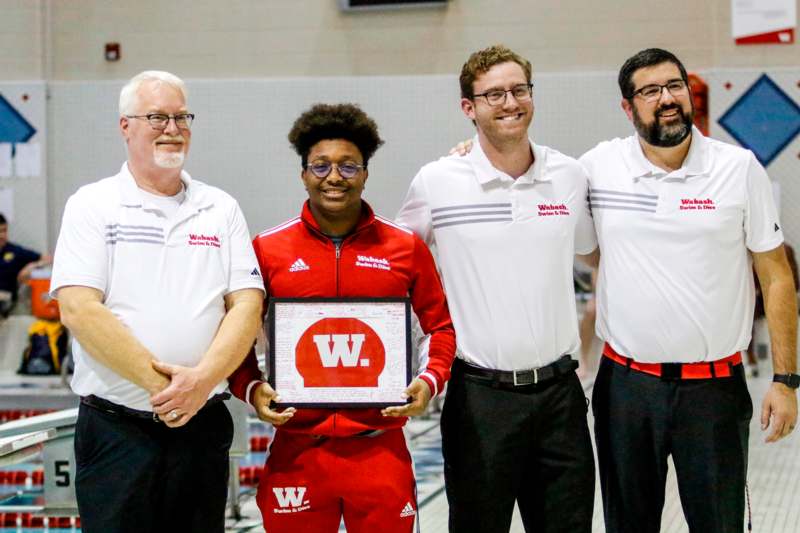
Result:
173,414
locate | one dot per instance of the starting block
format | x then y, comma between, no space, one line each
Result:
53,435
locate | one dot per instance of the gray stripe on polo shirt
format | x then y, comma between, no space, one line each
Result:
470,213
122,239
621,200
621,208
471,206
470,221
131,226
134,233
620,193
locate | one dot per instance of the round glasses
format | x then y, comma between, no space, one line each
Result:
322,169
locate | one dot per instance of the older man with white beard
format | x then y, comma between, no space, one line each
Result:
157,280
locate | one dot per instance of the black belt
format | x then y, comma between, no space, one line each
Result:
110,407
518,378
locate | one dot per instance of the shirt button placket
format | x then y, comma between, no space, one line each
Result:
514,197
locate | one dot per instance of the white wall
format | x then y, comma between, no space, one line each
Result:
253,65
258,38
239,137
21,40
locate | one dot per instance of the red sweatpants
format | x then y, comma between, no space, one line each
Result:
310,483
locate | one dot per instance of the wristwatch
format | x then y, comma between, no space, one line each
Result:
790,380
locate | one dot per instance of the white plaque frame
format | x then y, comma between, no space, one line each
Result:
290,318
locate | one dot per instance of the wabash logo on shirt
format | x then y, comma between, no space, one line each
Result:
549,210
196,239
290,499
340,352
368,261
697,204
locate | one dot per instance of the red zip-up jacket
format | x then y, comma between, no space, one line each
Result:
297,260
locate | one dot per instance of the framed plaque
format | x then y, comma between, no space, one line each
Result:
340,352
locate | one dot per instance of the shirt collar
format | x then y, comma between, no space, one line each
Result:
131,195
697,162
486,172
366,218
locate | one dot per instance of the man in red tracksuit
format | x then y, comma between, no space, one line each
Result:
329,463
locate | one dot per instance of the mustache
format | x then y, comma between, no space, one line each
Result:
669,107
170,139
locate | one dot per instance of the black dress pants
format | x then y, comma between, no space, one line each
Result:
530,444
641,419
137,475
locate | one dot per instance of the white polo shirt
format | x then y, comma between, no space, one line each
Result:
505,249
675,281
164,278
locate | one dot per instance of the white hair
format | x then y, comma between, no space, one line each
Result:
128,94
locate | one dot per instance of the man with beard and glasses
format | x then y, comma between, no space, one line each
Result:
158,283
506,222
680,218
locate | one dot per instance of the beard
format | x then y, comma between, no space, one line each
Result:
169,159
664,135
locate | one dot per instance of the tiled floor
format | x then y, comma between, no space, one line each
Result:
774,481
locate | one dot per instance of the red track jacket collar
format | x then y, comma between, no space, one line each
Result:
366,219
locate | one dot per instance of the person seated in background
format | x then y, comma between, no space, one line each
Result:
752,360
16,264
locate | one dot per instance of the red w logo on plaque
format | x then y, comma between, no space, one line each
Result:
340,352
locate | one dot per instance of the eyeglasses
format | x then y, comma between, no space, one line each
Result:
159,121
651,93
322,169
521,93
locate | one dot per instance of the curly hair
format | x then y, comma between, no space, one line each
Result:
335,121
481,61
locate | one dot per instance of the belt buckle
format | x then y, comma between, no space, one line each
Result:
519,383
671,371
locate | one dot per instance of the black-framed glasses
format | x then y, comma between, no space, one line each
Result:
651,93
322,169
159,121
521,93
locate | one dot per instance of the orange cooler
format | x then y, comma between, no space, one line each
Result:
42,305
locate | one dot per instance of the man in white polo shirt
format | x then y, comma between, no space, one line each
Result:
158,282
505,222
680,219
